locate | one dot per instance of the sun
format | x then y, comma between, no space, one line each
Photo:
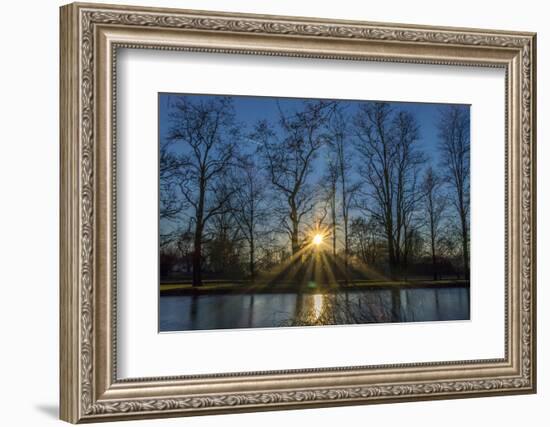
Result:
317,239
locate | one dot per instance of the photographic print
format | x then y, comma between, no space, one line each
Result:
280,212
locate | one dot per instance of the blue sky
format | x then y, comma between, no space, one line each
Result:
250,109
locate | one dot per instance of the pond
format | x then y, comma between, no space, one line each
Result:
267,310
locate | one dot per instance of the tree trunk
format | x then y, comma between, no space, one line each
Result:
392,261
252,266
434,263
346,248
404,260
345,213
294,240
432,217
465,252
197,273
294,235
197,249
391,255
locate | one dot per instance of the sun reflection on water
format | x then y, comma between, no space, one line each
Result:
318,302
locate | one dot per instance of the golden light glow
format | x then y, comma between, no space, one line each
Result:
317,239
318,302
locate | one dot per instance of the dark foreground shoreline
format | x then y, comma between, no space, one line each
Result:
220,287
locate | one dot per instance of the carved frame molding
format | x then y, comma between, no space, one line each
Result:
90,37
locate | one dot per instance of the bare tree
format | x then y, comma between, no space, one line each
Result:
339,133
454,143
375,145
331,177
184,245
434,206
366,239
222,237
409,162
289,156
171,205
205,134
250,206
389,166
169,176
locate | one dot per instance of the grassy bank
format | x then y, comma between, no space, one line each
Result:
221,287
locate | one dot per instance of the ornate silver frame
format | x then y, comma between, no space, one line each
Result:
90,36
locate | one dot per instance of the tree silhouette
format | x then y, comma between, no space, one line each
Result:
434,206
241,197
454,143
339,134
250,206
288,157
206,129
389,166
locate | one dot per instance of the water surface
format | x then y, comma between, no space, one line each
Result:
232,311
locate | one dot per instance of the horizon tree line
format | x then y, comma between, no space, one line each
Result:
237,200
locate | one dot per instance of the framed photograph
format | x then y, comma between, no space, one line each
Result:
266,212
